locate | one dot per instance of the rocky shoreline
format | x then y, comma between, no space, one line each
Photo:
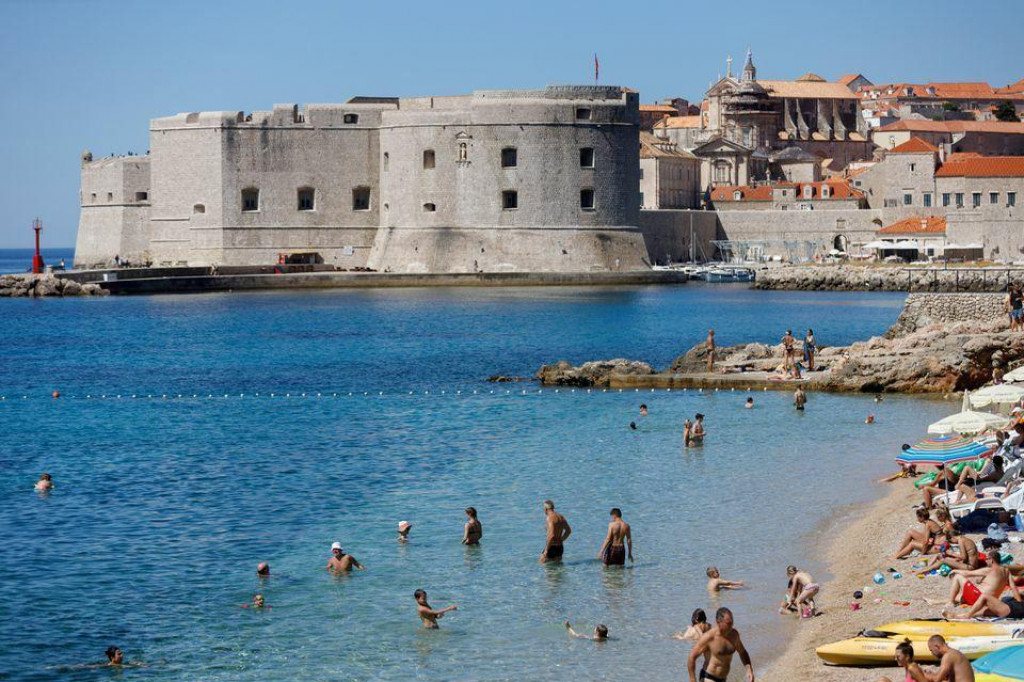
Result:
886,278
40,286
941,343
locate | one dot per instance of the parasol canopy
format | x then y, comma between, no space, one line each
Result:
968,421
1005,664
946,449
999,394
1014,375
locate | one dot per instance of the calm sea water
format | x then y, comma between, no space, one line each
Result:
164,506
20,260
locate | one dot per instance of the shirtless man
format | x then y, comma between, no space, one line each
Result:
614,549
965,559
341,562
711,350
1007,607
600,633
558,532
994,579
428,615
114,656
789,349
263,570
802,590
474,529
953,665
716,583
720,642
799,398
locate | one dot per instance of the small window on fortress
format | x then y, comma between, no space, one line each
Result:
429,208
110,196
306,198
142,196
350,118
387,161
199,208
587,157
428,158
583,114
250,200
508,157
509,200
361,199
587,199
93,197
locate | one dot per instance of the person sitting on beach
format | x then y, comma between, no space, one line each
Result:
697,430
945,481
600,633
718,645
944,520
905,659
716,583
992,472
614,549
473,530
342,562
558,531
921,538
953,665
263,570
801,592
427,615
45,483
698,626
958,552
994,579
403,531
799,398
991,606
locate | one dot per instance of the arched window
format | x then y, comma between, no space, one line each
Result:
737,195
463,152
722,171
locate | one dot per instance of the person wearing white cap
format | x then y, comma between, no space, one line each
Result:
342,562
403,531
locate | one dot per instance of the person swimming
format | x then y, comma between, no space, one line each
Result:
45,483
429,616
115,656
403,531
697,432
698,626
258,602
263,570
600,633
643,410
716,583
749,404
342,562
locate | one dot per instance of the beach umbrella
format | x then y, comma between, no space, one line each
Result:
968,421
1005,664
999,394
1014,375
946,449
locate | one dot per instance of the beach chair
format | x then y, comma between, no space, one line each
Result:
989,495
1010,474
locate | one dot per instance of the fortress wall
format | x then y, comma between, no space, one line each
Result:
114,211
667,234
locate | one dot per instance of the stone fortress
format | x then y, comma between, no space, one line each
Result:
495,181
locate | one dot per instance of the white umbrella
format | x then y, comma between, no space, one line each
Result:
878,244
1014,375
999,394
967,421
906,245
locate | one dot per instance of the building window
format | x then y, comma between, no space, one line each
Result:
350,119
912,166
250,199
93,197
945,198
463,152
927,200
808,191
429,207
110,196
583,114
306,198
361,199
959,199
199,208
721,172
428,158
509,200
587,199
737,195
508,157
586,157
993,197
1011,198
976,199
825,191
641,199
908,199
387,161
144,196
641,173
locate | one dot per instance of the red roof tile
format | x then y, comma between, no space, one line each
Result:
839,188
916,225
982,167
953,127
914,145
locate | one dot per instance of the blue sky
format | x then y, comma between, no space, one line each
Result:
77,74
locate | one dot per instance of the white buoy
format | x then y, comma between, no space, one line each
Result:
303,395
133,395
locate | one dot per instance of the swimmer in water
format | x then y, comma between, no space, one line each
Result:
45,483
698,626
632,426
428,615
473,530
716,583
263,570
799,398
403,531
600,633
643,410
341,562
257,603
749,404
718,645
115,656
558,531
870,419
614,549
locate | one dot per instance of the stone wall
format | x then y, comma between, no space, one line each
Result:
868,278
667,235
114,210
923,309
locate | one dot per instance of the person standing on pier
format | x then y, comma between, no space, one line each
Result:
710,343
558,532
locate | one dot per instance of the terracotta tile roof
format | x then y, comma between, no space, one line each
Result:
947,91
960,156
747,193
916,225
809,89
1017,87
953,127
848,78
982,167
914,145
679,122
659,108
839,188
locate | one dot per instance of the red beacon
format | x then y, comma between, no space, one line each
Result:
37,258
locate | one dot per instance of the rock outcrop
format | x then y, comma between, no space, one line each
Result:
37,286
600,373
885,278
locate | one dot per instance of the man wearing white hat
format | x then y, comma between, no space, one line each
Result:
342,562
403,531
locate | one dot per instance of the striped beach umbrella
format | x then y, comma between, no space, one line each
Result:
946,449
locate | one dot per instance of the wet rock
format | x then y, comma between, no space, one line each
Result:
599,373
502,379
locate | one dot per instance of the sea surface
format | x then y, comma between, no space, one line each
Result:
20,260
197,436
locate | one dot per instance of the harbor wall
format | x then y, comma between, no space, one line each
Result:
923,309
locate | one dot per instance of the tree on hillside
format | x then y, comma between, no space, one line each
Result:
1005,111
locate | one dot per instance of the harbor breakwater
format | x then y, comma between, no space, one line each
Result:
939,344
39,286
886,278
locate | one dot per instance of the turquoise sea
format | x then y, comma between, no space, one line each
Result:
379,413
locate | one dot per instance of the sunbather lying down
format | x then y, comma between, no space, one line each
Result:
966,487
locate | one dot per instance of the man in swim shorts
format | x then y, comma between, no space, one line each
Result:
710,343
799,398
720,642
473,530
953,665
613,551
341,562
994,579
801,592
558,532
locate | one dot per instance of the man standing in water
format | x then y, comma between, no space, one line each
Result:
720,643
953,665
710,343
799,398
613,551
558,532
341,562
474,529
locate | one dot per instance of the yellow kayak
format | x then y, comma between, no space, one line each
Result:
954,628
987,677
881,650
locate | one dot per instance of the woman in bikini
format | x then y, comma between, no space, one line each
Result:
922,539
905,660
697,432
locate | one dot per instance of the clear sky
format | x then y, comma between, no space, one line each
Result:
81,74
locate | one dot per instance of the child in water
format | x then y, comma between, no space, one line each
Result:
716,583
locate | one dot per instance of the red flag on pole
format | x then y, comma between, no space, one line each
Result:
597,68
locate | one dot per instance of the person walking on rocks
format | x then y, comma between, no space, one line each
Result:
710,343
789,349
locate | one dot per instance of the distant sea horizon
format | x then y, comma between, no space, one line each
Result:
14,261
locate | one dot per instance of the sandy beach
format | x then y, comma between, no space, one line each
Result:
863,539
